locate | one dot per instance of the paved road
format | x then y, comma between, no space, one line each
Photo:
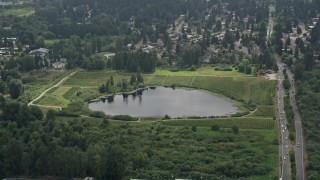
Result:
299,148
285,173
284,147
44,92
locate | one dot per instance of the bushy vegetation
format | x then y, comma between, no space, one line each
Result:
243,123
79,147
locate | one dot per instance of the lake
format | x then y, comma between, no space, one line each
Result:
160,101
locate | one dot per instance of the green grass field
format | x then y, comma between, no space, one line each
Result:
264,111
93,78
42,81
50,42
51,100
203,71
17,11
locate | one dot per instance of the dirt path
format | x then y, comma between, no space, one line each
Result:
44,92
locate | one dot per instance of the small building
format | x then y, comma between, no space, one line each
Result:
109,55
42,52
58,65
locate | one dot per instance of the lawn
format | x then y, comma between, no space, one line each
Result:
17,11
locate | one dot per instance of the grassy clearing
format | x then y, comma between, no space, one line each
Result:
51,100
93,78
264,111
178,73
70,92
235,89
157,80
178,80
17,11
203,71
41,80
208,70
243,123
61,90
50,42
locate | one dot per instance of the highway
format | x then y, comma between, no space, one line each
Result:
284,146
284,143
299,148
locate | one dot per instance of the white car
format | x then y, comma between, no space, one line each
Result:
284,157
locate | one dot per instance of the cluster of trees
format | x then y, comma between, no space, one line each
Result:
135,61
10,83
110,86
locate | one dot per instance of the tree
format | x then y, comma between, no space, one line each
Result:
133,80
99,44
50,117
194,128
114,163
2,101
140,78
27,63
36,112
15,88
2,87
215,127
11,111
24,115
235,129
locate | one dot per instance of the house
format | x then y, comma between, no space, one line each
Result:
42,52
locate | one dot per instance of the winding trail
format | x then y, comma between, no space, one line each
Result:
31,103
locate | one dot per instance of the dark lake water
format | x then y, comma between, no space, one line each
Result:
162,101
